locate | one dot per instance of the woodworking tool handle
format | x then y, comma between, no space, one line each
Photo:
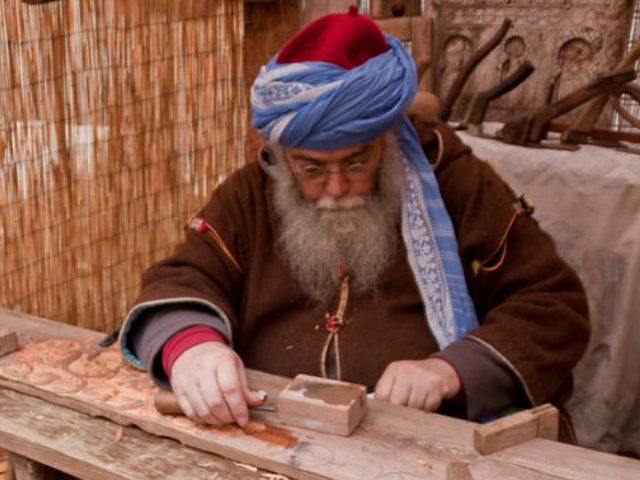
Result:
166,403
452,95
478,107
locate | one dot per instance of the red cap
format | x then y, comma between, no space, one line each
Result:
344,39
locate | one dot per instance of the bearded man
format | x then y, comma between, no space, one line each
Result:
360,247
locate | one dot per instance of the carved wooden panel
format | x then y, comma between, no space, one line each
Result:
75,374
393,443
569,43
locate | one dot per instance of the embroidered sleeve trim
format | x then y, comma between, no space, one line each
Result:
136,311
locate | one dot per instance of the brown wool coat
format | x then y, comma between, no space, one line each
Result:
531,305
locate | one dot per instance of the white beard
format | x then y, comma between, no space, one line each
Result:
359,233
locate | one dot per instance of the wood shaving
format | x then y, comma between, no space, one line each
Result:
273,476
251,468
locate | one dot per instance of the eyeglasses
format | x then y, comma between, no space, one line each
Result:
318,172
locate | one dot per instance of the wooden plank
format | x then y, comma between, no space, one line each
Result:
97,449
264,443
566,461
30,327
391,442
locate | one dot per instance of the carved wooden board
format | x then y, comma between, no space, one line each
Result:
97,449
568,42
392,443
100,383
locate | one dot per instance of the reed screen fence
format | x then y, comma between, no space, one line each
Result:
117,119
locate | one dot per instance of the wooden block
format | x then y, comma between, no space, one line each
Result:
548,421
458,471
321,404
518,428
8,341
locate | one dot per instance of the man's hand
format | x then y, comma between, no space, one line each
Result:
421,384
210,383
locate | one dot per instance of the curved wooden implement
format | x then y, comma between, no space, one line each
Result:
588,119
452,95
533,128
634,92
480,103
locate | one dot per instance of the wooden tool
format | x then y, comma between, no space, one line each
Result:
597,134
587,121
452,95
480,103
538,422
309,402
167,403
530,129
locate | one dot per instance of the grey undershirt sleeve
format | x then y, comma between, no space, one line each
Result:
157,325
489,385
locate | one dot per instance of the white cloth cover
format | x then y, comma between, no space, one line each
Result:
589,202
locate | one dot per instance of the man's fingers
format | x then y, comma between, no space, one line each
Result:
217,410
418,396
185,405
229,380
433,401
249,397
204,412
400,392
384,386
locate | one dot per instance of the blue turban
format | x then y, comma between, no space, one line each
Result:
322,106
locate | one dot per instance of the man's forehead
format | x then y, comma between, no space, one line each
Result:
332,155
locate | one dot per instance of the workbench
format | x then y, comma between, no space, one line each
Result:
394,443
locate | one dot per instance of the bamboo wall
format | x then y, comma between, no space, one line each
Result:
117,119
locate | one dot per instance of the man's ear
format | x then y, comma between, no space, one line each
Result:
265,156
268,156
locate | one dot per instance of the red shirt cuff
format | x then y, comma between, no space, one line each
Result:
184,340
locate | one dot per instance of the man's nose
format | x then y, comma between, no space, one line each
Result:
337,184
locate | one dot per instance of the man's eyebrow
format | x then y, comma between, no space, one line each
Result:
304,158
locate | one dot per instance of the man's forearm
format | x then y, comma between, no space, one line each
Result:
159,325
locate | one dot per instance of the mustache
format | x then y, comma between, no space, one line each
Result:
330,203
